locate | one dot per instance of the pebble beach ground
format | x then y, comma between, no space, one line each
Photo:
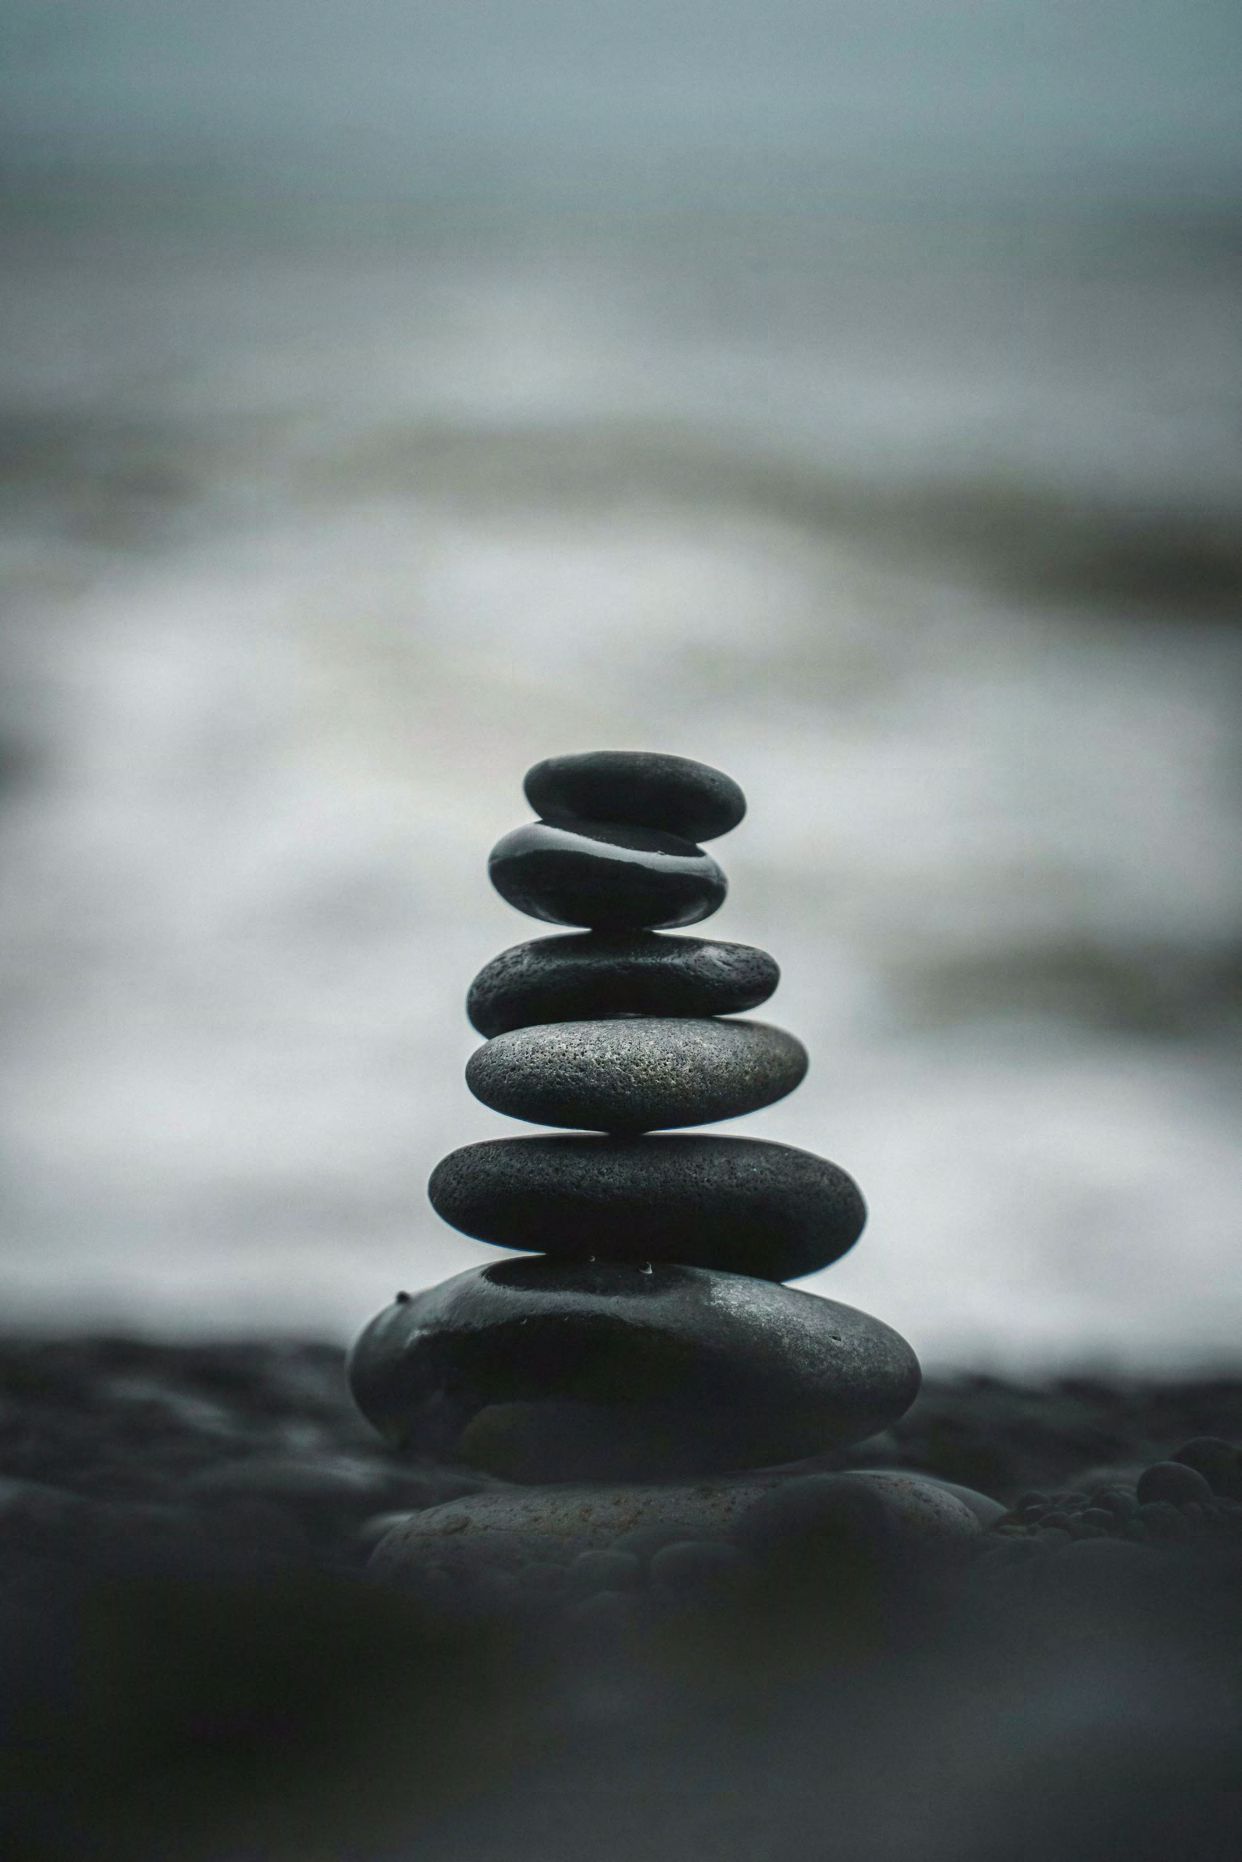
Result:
200,1667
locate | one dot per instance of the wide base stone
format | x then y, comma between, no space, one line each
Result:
512,1526
539,1371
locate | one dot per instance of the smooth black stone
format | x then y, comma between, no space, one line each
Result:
1171,1481
641,787
643,1073
607,878
540,1370
585,976
743,1205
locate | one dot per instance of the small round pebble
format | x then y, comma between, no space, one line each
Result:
606,878
643,1073
587,975
1172,1481
644,787
744,1205
643,1542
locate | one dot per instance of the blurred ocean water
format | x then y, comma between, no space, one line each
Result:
329,507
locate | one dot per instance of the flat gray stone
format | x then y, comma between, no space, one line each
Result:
641,1073
802,1523
644,787
744,1205
512,1525
587,975
537,1370
606,877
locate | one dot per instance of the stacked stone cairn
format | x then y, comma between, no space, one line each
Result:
643,1348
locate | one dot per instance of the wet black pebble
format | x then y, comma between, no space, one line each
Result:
743,1205
643,1073
606,878
1171,1481
642,787
537,1370
588,975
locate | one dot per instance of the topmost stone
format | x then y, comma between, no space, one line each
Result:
640,787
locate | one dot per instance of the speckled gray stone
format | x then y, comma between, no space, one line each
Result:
644,1073
740,1204
587,975
511,1525
644,787
606,877
541,1370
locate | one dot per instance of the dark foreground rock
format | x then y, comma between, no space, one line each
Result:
788,1688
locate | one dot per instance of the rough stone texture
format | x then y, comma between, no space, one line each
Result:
638,1074
637,786
607,878
540,1370
511,1525
583,977
743,1205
